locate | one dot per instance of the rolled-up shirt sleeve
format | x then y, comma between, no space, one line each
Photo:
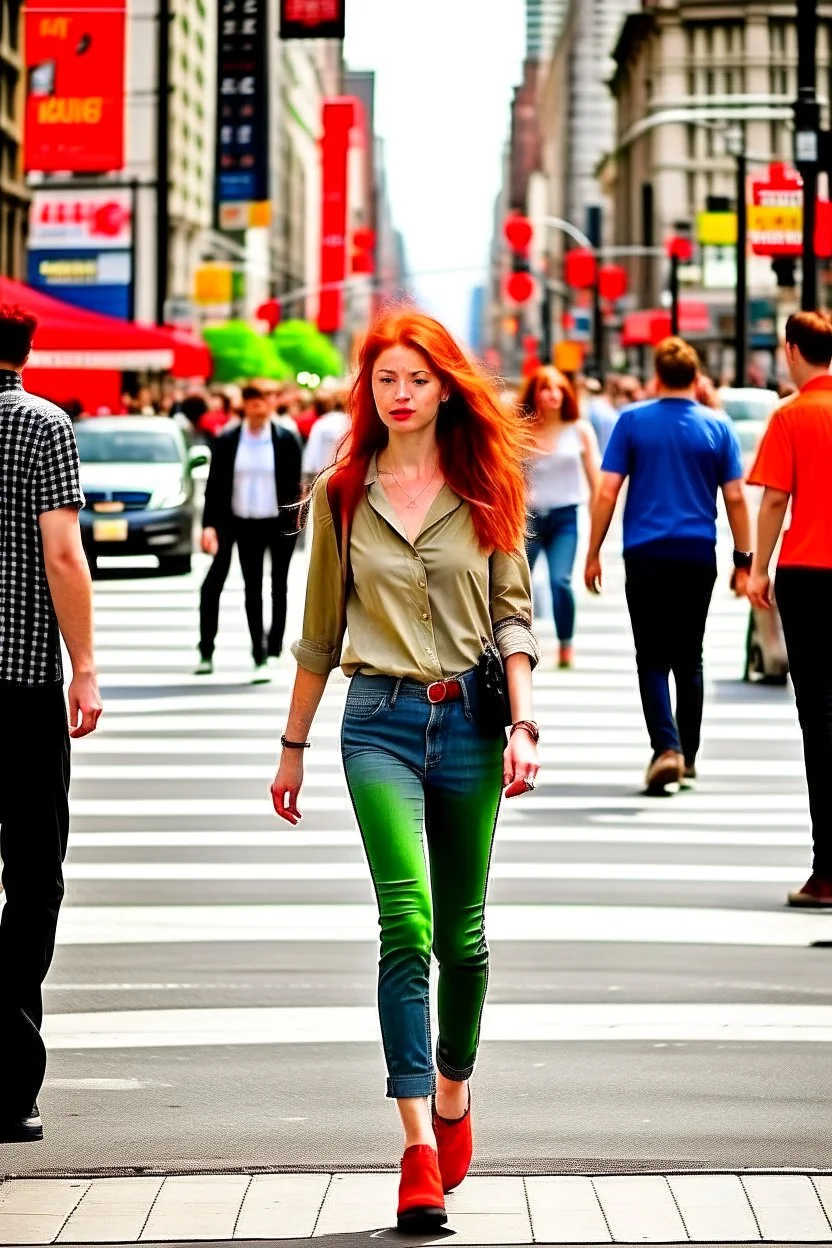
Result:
319,648
511,605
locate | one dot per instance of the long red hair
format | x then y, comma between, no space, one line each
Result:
530,396
481,441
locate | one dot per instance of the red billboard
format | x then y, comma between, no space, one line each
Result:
312,19
340,114
75,88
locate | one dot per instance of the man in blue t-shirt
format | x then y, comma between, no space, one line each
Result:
677,456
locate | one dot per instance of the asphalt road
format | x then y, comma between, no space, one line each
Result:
212,1001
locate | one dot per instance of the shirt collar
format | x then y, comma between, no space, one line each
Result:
10,380
372,470
824,382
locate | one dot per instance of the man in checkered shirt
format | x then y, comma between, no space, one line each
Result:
45,594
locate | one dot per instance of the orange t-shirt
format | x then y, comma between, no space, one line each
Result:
795,456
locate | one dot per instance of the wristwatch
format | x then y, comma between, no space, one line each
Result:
743,559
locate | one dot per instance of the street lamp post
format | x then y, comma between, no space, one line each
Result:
806,142
735,145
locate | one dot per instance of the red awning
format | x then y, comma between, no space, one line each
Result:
75,338
648,327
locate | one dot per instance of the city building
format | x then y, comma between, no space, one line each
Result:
14,196
544,19
691,82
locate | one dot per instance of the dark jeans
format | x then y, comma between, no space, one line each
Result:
209,597
34,826
668,601
254,538
556,532
804,596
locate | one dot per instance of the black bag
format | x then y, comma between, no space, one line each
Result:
495,709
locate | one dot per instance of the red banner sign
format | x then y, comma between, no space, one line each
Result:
312,19
339,118
75,100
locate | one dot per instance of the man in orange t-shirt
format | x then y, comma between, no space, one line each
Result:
793,462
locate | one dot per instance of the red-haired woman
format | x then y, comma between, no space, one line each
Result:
564,471
428,505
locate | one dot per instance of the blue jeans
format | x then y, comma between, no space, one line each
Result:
556,532
418,772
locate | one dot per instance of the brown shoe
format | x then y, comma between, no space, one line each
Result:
667,769
817,892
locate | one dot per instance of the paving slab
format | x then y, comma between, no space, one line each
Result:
566,1209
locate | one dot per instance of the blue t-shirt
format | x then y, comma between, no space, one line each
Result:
676,454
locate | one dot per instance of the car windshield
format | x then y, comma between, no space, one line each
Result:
125,446
750,408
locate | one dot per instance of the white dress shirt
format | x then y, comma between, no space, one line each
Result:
255,492
325,435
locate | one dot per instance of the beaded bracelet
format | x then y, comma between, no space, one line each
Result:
529,726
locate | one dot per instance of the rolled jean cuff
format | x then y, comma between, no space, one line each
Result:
451,1072
403,1086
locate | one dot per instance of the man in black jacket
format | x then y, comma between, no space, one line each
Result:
251,499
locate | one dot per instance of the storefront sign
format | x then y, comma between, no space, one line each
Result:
242,106
312,19
80,248
716,229
75,100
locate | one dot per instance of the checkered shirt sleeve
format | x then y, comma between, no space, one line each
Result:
57,480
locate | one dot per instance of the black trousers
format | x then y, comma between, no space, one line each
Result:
210,594
34,826
668,601
804,596
254,538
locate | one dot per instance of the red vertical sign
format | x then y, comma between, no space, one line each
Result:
75,96
338,120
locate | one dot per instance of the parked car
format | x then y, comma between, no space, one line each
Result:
137,477
749,409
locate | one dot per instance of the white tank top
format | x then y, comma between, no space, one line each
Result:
557,478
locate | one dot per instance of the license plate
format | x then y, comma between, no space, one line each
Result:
109,530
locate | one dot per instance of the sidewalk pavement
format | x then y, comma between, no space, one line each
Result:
782,1208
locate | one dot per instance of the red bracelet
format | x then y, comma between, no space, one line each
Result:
529,726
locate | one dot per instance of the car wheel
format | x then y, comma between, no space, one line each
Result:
174,565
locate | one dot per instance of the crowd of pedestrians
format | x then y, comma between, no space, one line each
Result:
431,498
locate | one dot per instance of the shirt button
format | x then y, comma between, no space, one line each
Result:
430,652
425,615
423,584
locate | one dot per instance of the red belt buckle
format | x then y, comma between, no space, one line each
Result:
437,692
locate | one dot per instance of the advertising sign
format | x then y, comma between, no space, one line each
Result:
716,229
339,118
75,92
242,107
312,19
775,217
80,248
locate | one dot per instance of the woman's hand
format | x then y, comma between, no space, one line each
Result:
520,764
286,786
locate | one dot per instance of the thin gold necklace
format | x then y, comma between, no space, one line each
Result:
412,498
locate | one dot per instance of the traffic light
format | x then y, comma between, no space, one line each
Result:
784,270
518,232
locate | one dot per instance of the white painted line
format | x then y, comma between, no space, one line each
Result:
787,1208
234,808
680,812
670,1023
114,925
555,834
687,873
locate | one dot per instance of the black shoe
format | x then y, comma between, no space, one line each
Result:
24,1067
26,1130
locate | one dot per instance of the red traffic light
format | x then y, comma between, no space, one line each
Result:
270,312
612,282
518,231
520,287
580,268
679,247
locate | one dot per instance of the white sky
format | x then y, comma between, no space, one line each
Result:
445,70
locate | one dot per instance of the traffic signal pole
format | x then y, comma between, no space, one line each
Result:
741,304
806,142
162,159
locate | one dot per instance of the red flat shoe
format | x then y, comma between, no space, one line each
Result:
455,1143
421,1202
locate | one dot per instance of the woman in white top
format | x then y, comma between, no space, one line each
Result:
563,476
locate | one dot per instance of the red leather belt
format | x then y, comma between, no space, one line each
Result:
444,691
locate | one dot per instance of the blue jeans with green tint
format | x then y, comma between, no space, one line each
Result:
425,775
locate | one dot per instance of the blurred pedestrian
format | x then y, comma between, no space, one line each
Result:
417,547
602,410
326,436
251,500
563,476
677,456
793,464
45,595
